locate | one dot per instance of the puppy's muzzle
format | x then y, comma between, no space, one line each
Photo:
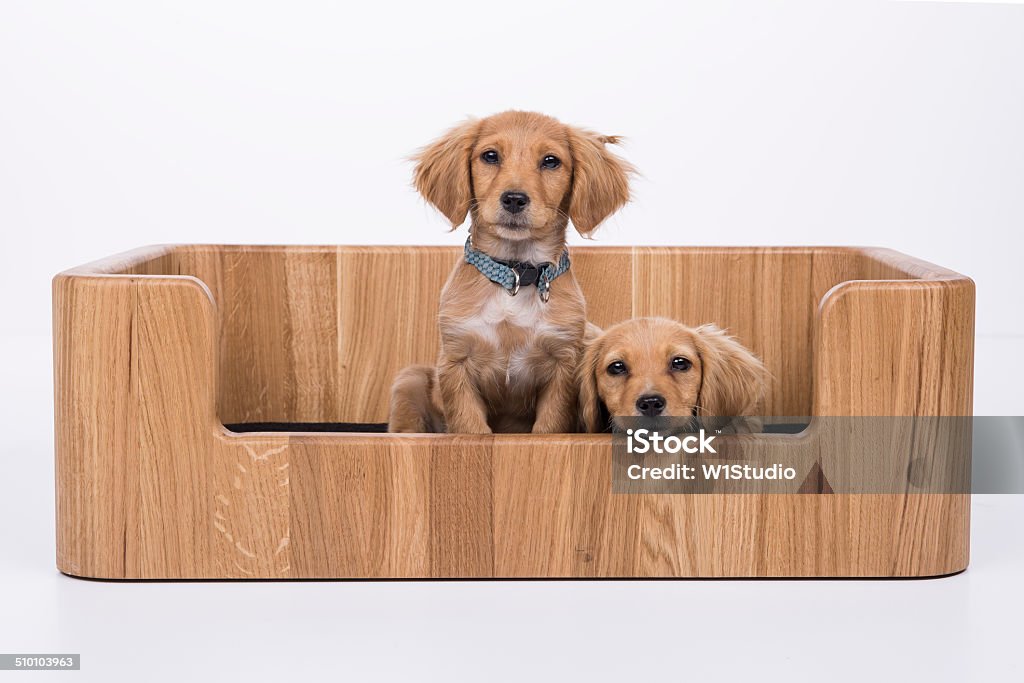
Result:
514,202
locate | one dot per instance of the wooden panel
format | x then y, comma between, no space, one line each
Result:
685,535
549,512
899,348
387,320
95,419
532,519
312,337
360,507
461,508
249,521
606,278
554,514
173,354
896,349
763,297
278,334
347,497
749,534
292,353
256,379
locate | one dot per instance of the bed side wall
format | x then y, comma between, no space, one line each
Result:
315,334
905,349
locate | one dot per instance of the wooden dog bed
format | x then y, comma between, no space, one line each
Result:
157,349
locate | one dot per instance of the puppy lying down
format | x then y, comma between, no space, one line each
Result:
648,368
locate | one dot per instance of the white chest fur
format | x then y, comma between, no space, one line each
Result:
528,314
525,311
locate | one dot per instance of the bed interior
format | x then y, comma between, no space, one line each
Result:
310,338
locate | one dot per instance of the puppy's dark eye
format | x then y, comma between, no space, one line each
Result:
490,157
550,161
617,368
681,364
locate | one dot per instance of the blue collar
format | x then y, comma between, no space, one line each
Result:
513,275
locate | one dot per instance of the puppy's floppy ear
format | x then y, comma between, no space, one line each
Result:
734,381
600,179
590,409
442,172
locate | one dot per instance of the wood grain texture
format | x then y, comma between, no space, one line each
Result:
387,320
271,305
154,349
762,297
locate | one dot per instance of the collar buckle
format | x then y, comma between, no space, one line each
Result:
515,285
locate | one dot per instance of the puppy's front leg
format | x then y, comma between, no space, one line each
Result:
556,406
464,409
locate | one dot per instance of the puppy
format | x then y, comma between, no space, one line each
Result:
654,367
512,315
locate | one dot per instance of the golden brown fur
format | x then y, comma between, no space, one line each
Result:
720,379
507,364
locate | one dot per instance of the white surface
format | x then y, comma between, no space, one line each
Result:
896,124
962,628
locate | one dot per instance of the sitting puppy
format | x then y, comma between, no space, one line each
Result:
512,315
655,367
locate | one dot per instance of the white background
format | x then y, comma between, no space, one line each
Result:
126,123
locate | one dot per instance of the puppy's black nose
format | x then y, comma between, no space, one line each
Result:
514,202
650,405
